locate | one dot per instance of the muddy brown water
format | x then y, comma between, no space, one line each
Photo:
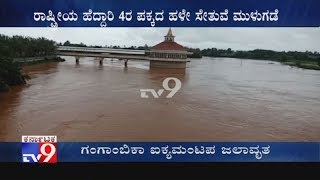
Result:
221,99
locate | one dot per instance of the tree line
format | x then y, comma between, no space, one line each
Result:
20,47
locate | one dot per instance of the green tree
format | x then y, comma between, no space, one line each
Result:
67,43
20,47
10,73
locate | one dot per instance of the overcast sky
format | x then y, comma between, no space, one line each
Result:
300,39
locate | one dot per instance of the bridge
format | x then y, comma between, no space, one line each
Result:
166,54
101,53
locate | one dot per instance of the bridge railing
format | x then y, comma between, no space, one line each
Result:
100,50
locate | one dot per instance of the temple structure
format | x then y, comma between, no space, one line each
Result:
168,54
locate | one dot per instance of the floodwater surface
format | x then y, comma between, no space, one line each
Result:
221,99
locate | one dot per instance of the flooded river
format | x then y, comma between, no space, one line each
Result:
221,99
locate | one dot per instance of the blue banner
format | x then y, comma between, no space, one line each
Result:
160,152
159,13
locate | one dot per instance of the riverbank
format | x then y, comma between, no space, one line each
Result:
312,65
11,73
303,65
19,51
38,60
305,60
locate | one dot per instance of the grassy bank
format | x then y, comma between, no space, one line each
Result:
304,65
306,60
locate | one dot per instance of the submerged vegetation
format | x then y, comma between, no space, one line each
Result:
306,60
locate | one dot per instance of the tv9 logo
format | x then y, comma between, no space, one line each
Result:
165,84
39,149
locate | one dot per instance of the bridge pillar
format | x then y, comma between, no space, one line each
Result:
100,60
77,59
126,63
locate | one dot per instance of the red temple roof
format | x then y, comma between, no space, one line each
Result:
166,45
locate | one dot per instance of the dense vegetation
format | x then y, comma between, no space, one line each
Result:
196,53
10,74
19,47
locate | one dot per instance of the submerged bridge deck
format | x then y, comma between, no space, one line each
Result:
101,52
121,54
